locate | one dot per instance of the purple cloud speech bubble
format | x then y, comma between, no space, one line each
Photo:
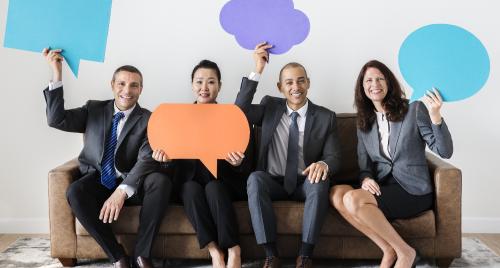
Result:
256,21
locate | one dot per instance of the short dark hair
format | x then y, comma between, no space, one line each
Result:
395,102
127,68
292,65
206,64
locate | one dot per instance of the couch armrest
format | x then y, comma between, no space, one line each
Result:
62,221
448,207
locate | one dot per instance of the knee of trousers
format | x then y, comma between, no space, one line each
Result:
74,193
157,181
214,188
255,182
191,190
320,189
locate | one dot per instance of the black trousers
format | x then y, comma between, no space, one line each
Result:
87,195
210,210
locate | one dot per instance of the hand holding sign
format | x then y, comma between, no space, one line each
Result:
199,131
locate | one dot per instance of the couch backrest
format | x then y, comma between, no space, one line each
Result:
346,126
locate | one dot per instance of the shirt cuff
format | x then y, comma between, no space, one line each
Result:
129,190
55,85
254,76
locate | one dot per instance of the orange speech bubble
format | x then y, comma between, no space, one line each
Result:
199,131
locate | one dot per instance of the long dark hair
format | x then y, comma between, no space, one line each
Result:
395,103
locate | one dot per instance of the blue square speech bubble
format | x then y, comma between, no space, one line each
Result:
79,27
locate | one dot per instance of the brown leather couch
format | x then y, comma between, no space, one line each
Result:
435,233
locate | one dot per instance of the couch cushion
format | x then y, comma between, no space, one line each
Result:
289,221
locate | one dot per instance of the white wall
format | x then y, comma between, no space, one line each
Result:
165,39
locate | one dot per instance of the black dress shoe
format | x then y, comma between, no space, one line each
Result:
143,262
122,263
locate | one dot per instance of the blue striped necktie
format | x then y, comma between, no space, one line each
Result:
108,175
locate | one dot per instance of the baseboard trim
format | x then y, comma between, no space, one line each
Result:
24,225
480,225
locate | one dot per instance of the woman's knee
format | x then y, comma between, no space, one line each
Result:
353,200
337,193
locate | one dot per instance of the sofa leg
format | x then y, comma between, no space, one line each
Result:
445,263
67,262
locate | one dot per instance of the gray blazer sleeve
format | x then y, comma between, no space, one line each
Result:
437,137
331,152
253,112
364,161
73,120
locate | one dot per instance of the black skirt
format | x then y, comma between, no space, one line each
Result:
396,203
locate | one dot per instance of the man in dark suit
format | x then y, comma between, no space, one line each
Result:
298,152
115,162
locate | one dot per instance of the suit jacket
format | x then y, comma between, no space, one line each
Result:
407,142
94,119
321,141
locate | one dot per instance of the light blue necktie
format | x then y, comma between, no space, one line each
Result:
108,175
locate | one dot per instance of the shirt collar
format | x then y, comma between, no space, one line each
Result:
302,111
126,113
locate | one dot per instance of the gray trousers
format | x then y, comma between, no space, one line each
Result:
262,189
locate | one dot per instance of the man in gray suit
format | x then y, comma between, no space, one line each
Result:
298,152
116,167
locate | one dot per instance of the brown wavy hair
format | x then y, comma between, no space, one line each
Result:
395,103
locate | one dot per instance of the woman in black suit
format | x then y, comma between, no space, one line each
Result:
207,200
394,176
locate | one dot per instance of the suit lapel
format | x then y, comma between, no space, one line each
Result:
107,117
135,115
310,118
394,136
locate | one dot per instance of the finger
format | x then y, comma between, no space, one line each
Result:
45,51
231,157
311,171
306,171
240,154
432,96
319,173
438,95
111,214
373,189
117,213
259,45
106,214
235,156
325,175
101,214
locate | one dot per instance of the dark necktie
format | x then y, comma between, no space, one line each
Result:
292,159
108,175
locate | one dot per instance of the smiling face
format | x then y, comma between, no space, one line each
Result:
294,85
206,85
375,85
127,88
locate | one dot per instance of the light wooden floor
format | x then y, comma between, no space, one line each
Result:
491,240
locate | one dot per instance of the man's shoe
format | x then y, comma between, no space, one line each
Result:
143,262
122,263
272,262
303,262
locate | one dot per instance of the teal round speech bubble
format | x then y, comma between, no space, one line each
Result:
447,57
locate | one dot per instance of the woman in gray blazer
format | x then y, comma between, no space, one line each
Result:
394,176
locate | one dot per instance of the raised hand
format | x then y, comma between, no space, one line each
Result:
261,56
54,59
434,102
